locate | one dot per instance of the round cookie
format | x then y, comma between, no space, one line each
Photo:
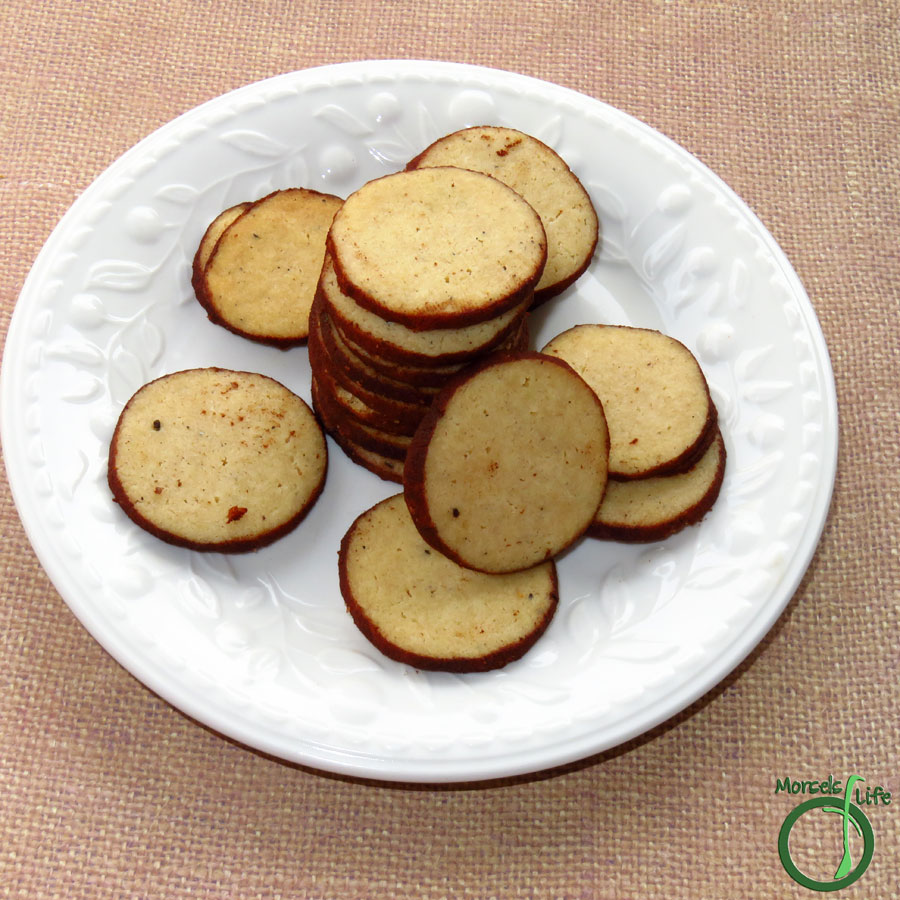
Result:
509,465
399,422
437,248
542,178
657,403
261,276
419,607
650,509
412,384
214,459
398,379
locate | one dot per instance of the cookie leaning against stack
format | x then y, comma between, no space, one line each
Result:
657,403
425,272
541,177
509,466
667,456
214,459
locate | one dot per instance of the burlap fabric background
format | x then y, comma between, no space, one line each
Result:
107,792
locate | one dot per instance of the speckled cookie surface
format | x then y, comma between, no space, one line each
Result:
660,414
260,279
509,466
650,509
419,607
214,459
543,179
437,248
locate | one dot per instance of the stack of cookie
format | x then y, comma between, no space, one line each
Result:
425,272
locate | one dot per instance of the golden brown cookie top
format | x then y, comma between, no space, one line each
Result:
215,459
437,248
260,278
421,608
660,413
509,466
543,179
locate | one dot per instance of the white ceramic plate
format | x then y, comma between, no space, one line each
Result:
259,647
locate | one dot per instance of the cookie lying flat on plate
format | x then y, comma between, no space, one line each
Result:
660,414
437,248
213,459
509,465
650,509
542,178
261,276
420,608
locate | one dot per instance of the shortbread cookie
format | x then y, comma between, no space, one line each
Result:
650,509
261,276
213,459
395,420
420,608
437,248
393,341
509,466
656,399
542,177
209,240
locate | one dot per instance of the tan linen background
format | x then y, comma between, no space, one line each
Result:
108,792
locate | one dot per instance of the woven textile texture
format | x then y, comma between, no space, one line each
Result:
106,791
